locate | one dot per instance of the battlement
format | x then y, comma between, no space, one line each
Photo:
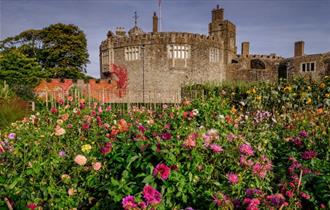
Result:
260,56
161,37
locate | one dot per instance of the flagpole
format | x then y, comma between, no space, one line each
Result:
160,15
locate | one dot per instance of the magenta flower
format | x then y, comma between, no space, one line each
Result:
309,154
216,148
141,128
166,136
246,149
106,149
151,195
232,178
162,170
129,202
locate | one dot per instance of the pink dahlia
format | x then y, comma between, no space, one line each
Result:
151,195
129,202
190,142
232,178
216,148
246,149
162,170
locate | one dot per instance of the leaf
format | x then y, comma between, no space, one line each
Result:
148,179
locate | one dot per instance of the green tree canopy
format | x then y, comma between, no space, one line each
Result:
20,72
57,46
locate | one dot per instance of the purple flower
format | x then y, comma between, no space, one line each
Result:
303,134
252,192
61,153
276,199
12,136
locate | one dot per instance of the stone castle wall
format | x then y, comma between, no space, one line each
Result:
156,72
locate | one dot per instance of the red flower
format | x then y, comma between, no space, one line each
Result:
163,170
31,206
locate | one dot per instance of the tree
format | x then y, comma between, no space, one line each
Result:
57,46
20,72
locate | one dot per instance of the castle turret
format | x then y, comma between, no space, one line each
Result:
155,23
223,30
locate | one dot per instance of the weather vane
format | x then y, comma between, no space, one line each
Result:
135,18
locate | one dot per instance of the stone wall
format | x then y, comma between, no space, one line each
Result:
322,67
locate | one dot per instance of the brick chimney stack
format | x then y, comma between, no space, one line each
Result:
155,23
245,49
299,48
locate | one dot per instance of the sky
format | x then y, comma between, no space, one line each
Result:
271,26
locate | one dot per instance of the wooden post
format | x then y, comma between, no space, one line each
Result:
47,99
102,96
33,106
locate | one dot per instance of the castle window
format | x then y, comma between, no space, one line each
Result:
105,60
214,55
308,66
178,51
132,53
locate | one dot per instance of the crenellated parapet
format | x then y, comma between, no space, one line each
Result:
161,38
261,56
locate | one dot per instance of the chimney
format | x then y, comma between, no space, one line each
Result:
155,23
299,48
245,49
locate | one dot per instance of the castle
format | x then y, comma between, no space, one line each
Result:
158,63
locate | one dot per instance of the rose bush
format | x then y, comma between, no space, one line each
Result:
217,153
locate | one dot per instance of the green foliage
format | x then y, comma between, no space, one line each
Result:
5,92
288,165
60,49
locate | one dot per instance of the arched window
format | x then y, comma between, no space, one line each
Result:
257,64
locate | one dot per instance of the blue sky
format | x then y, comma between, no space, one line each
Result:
271,26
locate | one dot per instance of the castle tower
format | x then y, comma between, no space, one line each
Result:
224,30
155,23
